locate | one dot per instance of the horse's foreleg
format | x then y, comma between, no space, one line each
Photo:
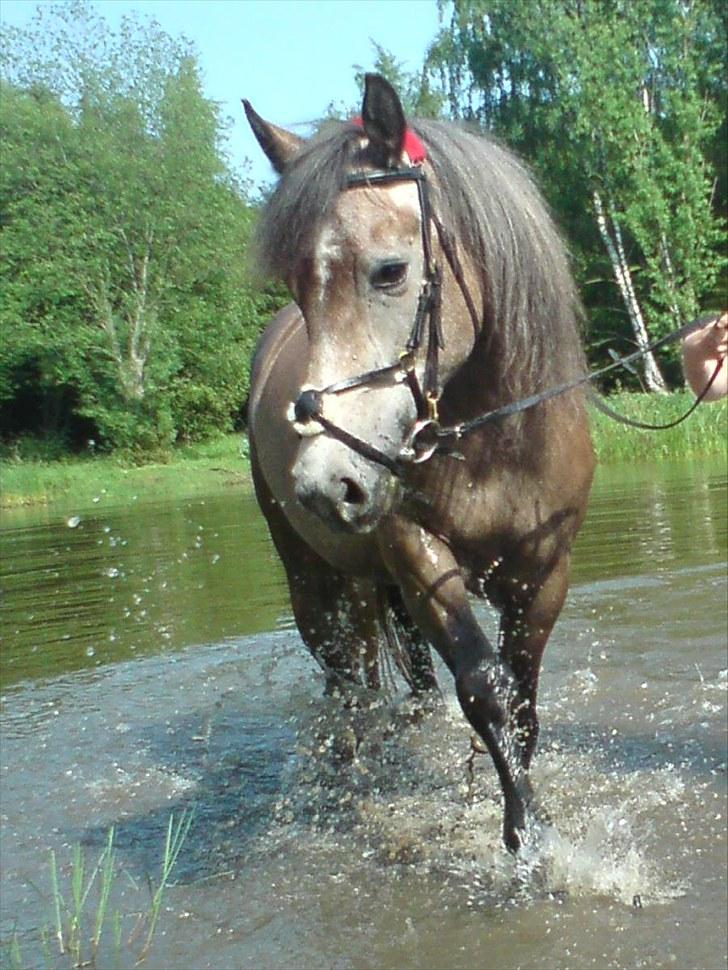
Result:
526,624
336,615
337,618
434,593
421,669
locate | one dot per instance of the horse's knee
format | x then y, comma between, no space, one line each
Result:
483,696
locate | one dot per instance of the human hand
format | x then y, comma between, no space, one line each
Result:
702,351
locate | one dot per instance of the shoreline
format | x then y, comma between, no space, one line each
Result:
222,463
192,470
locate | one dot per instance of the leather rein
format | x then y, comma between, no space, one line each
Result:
427,437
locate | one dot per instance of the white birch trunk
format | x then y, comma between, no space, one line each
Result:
618,259
664,248
670,273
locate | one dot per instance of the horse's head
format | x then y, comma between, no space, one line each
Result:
353,240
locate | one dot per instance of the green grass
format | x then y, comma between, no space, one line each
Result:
189,470
212,466
702,434
82,924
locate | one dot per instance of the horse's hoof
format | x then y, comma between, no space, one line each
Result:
514,839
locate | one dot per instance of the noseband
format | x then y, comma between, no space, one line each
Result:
422,441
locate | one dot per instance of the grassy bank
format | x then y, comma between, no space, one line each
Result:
215,465
703,433
189,470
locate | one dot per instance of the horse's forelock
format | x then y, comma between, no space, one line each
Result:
304,198
487,200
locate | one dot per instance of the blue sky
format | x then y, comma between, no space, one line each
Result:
290,58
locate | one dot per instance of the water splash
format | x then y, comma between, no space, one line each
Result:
389,785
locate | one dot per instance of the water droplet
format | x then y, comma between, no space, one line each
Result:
73,521
90,651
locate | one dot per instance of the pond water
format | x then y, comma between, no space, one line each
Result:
150,664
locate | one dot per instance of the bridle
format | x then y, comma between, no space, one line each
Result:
427,328
427,437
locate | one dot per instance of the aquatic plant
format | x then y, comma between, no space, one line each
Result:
82,924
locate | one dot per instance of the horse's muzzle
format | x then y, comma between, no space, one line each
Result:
348,496
342,507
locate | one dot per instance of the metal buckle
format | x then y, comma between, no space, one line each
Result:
423,442
432,411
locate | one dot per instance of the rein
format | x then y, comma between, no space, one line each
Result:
427,436
459,430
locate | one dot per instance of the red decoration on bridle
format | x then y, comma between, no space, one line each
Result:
410,143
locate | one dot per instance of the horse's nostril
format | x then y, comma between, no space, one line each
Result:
353,494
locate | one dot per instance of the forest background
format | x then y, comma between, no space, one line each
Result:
130,303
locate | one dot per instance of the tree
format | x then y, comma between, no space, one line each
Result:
419,98
618,105
124,233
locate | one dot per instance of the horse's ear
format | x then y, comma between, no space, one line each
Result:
383,117
279,145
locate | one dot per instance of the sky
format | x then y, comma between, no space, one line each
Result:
290,58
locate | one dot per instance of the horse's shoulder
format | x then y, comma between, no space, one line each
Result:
282,342
277,332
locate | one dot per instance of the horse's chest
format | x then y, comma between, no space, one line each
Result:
469,509
503,524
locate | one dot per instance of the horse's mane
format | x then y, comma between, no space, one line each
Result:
487,201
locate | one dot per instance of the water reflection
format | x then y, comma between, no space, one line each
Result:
646,519
120,582
86,588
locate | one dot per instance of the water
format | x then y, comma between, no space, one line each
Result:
87,588
150,664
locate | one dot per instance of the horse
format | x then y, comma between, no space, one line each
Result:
430,287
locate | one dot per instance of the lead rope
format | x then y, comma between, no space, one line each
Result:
602,406
459,430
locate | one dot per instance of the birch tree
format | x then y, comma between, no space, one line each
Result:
617,104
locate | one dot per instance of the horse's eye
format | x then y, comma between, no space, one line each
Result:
389,276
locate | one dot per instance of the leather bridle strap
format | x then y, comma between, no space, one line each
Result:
363,448
428,315
309,405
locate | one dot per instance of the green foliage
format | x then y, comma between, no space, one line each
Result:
128,318
419,98
610,97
